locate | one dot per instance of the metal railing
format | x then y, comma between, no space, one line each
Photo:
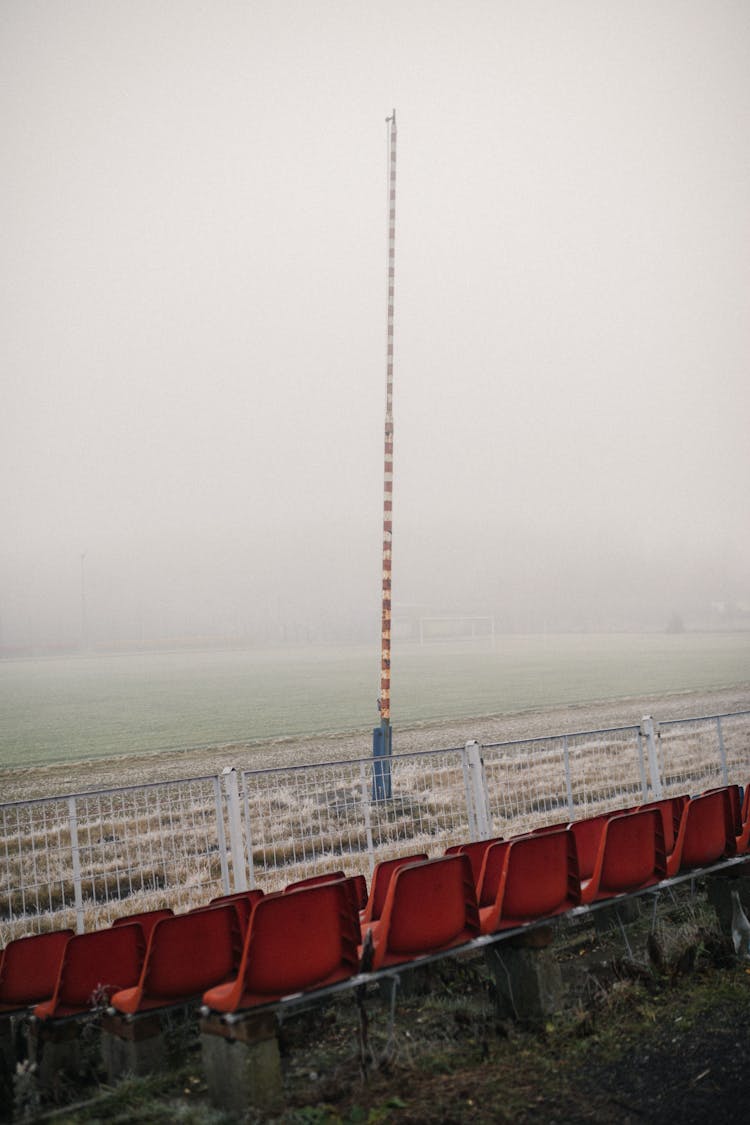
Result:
82,859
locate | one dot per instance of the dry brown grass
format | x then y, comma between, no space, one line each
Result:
148,848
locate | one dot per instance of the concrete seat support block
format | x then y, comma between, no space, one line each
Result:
242,1063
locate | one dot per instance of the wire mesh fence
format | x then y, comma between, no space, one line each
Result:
545,780
307,818
83,859
697,753
76,860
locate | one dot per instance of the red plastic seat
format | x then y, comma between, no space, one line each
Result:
588,834
743,837
356,887
296,942
381,878
429,907
29,968
706,833
671,814
475,850
146,919
94,966
315,880
559,826
630,857
242,901
187,954
359,890
538,879
492,872
735,801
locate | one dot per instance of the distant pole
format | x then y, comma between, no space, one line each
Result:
382,735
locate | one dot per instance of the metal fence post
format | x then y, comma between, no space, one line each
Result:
722,752
76,862
648,730
468,795
478,791
568,783
642,767
220,836
248,833
367,816
232,788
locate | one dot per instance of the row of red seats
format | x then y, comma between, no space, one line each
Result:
247,949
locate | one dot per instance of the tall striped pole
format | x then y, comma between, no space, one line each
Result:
382,737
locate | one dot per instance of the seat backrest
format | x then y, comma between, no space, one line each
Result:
631,855
238,896
189,953
242,902
94,966
296,942
30,967
146,919
671,812
476,852
588,835
706,830
558,826
539,880
735,801
315,880
429,907
359,890
356,887
381,878
492,871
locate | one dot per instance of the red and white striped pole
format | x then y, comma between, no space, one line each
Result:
385,630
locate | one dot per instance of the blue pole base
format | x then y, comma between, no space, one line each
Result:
381,765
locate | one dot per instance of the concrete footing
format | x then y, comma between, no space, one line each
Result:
242,1063
9,1056
132,1046
65,1053
719,889
527,976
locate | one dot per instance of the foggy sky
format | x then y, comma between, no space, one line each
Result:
192,342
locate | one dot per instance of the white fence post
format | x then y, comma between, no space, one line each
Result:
221,839
479,806
367,817
76,862
649,731
568,781
234,817
722,752
248,833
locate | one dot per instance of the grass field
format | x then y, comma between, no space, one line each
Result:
57,710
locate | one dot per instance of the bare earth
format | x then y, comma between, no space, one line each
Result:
25,784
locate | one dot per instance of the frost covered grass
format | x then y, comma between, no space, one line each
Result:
60,711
